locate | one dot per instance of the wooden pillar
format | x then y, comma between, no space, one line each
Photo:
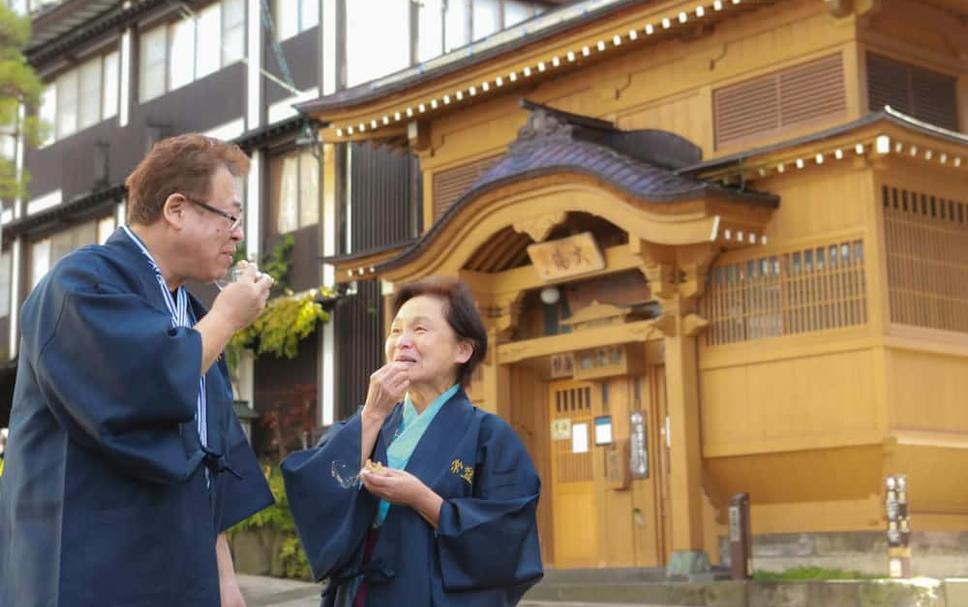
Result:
500,313
676,277
685,445
497,383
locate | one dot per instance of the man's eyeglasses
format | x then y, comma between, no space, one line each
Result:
234,220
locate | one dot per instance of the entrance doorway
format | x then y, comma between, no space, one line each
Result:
599,519
572,413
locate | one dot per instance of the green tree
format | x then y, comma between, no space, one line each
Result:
19,87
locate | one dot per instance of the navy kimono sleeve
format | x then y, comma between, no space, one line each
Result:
243,491
332,520
491,538
118,378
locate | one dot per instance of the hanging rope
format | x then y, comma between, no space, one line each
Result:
270,28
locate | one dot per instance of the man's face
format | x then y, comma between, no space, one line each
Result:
208,242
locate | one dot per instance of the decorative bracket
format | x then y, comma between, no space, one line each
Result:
693,263
539,227
693,324
846,8
658,266
500,313
687,325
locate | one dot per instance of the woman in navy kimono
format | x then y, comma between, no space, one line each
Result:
450,518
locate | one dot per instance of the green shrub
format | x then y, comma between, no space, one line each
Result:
807,573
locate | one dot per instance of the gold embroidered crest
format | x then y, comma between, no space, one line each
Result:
465,472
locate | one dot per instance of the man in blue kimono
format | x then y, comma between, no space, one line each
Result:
125,462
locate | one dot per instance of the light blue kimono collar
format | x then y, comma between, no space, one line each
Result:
412,428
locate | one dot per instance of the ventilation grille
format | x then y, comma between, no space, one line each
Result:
768,104
926,95
450,184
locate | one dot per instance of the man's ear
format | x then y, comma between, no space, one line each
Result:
173,211
464,351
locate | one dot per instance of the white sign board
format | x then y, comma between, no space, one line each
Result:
603,430
579,438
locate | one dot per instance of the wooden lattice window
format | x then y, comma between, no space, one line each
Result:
924,94
927,259
766,105
814,289
573,404
450,184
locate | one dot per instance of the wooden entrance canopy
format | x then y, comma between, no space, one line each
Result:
563,163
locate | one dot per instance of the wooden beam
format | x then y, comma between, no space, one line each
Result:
617,259
641,330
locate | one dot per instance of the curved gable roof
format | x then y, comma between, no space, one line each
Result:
640,164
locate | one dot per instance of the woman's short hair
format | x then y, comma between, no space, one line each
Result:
460,312
184,164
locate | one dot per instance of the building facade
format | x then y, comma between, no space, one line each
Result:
720,247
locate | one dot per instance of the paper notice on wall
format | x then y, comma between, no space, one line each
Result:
579,438
603,430
561,429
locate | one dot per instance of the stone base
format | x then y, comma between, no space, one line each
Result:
933,554
256,552
687,564
866,593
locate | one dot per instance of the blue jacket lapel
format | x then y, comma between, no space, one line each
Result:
128,253
217,384
431,458
387,433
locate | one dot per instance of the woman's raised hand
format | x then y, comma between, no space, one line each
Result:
387,387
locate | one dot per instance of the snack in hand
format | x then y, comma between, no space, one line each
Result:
372,466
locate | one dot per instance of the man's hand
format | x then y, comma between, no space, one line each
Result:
241,302
234,309
404,489
228,585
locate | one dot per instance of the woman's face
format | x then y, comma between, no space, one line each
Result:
421,338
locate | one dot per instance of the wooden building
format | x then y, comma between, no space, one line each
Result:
720,247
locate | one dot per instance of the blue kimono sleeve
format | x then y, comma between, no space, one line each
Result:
332,520
118,378
491,538
243,491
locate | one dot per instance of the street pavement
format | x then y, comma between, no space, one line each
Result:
262,591
272,592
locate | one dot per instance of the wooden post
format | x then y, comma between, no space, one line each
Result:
685,447
676,278
497,381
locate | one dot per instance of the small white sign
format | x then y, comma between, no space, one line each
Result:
579,438
603,430
894,567
561,429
